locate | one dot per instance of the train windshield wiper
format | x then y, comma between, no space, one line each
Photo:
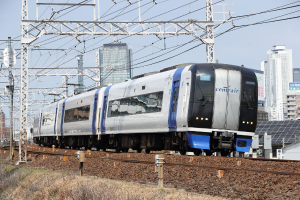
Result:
248,102
204,102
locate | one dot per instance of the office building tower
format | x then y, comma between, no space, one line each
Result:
115,63
4,131
296,75
278,70
293,106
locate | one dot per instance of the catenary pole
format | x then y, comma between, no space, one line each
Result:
11,91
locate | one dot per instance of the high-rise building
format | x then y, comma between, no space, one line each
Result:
293,106
296,75
2,124
278,70
115,63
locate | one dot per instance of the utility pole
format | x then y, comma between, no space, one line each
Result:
9,61
65,80
25,41
80,72
11,93
209,33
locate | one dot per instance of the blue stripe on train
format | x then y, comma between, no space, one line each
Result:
62,117
172,115
95,111
106,92
55,119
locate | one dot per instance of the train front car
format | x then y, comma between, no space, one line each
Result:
223,108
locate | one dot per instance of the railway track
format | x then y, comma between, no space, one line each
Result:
266,179
177,164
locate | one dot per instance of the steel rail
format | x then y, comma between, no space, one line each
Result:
176,164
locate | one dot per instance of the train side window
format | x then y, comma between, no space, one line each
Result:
175,99
48,119
145,103
77,114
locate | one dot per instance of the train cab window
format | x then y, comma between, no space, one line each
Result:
249,95
204,87
205,77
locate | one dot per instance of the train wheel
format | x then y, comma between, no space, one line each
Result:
147,150
182,151
224,153
208,153
139,150
118,150
125,150
104,149
197,152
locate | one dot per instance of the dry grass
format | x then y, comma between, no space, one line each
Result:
10,177
25,183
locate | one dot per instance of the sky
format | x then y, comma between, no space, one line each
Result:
247,46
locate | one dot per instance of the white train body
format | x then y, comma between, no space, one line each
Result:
162,110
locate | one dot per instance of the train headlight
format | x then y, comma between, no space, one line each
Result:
243,122
247,122
206,118
197,118
251,122
201,118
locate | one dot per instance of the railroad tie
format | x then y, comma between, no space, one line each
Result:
221,173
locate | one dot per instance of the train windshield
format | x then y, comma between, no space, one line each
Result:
249,95
204,88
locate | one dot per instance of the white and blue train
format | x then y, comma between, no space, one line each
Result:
197,107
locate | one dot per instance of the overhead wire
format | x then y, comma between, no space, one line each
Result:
108,36
278,20
262,22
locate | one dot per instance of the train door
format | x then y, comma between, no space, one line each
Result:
227,99
58,118
104,114
104,108
96,98
185,105
55,119
173,105
61,114
40,123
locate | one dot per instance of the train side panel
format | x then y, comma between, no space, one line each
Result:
137,101
78,114
47,120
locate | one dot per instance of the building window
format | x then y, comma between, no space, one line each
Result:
146,103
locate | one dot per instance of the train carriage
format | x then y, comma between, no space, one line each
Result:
197,107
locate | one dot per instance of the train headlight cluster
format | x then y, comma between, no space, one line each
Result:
247,122
201,118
